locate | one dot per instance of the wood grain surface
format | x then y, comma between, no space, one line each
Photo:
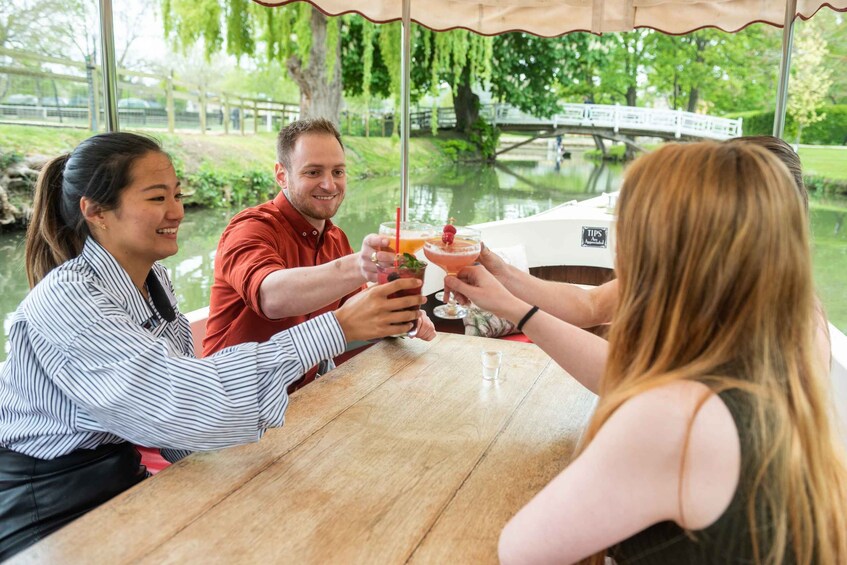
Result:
402,453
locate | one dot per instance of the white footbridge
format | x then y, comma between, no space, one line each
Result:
602,121
625,120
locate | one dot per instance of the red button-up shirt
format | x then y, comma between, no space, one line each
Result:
257,242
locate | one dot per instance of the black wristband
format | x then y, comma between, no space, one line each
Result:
526,317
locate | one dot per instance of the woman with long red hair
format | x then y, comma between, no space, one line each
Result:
712,441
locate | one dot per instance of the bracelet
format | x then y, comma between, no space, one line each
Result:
526,317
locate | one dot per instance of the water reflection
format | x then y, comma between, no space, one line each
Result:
468,193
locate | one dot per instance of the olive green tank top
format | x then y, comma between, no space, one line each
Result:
724,542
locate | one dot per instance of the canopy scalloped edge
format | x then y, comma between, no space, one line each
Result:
614,15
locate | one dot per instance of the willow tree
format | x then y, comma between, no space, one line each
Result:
458,59
299,37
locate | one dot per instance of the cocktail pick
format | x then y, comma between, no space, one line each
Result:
397,240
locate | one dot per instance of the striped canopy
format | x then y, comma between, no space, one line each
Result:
555,17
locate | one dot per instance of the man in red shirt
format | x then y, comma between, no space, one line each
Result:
283,262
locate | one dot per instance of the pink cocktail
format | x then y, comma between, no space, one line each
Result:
452,254
451,258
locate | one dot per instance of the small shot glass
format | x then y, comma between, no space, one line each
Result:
491,364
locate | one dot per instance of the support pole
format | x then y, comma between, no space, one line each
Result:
405,70
110,79
784,68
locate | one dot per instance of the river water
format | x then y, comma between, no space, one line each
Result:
468,193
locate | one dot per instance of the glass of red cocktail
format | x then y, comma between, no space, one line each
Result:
455,248
405,267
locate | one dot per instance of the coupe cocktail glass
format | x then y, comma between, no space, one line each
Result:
452,257
412,235
403,268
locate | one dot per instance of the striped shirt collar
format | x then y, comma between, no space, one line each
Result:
107,268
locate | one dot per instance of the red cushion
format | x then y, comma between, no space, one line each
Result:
517,337
152,459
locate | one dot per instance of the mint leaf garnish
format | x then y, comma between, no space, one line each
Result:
412,263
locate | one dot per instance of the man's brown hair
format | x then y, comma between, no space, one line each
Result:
289,135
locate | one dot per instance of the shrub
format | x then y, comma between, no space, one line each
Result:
9,159
459,149
615,153
207,188
825,186
485,137
832,130
253,186
214,189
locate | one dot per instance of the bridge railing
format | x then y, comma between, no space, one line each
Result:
618,118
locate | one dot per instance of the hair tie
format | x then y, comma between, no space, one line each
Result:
526,317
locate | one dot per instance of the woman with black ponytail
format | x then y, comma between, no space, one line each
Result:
100,357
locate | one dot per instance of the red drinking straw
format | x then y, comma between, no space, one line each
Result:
397,240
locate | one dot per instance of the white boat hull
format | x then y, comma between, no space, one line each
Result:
556,237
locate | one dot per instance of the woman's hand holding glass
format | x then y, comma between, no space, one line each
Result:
475,284
493,263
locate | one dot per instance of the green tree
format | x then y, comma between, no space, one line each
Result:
628,55
526,71
683,63
833,26
810,79
582,58
726,72
458,58
296,36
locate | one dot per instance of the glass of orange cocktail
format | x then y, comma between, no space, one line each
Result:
456,247
412,235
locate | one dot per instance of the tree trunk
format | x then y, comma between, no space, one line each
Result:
320,96
631,95
675,89
694,93
465,102
693,98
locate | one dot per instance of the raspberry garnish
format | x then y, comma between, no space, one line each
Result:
448,233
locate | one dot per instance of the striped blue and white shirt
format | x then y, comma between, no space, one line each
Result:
92,362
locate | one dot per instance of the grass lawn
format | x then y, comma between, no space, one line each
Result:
824,161
228,154
31,140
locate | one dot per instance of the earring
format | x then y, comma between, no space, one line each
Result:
102,226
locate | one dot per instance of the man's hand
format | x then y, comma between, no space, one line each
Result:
371,314
373,243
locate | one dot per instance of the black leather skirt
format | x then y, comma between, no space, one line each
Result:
39,496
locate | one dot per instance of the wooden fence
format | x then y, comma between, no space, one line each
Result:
69,93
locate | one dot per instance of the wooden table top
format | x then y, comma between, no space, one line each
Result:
402,454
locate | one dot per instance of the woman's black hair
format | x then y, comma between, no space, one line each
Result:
99,170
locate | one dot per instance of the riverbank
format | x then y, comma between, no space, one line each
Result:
216,170
470,193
